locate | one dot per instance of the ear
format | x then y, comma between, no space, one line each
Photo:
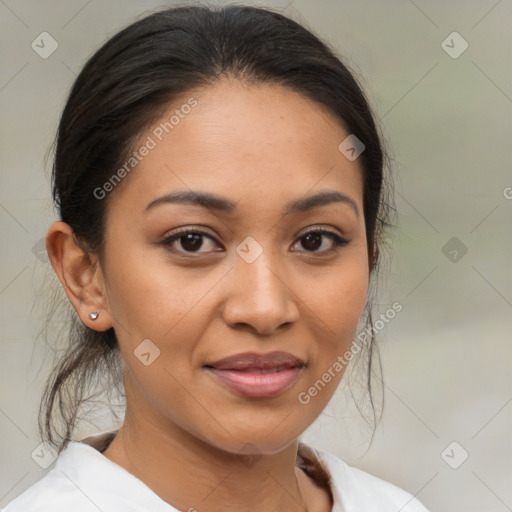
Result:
80,275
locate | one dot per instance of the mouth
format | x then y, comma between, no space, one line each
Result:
252,360
257,375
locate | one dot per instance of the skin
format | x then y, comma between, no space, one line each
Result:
259,146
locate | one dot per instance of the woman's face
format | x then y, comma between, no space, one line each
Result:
252,281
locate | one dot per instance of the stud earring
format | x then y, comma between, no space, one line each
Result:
93,315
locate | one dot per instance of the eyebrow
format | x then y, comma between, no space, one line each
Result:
222,204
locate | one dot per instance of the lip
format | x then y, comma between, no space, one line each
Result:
254,360
257,375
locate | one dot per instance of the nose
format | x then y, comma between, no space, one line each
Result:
260,298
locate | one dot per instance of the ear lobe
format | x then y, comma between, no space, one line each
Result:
80,275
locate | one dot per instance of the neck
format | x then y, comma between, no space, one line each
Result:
157,452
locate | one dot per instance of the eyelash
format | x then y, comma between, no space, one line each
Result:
338,241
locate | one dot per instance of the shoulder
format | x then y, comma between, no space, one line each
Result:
83,480
355,489
52,493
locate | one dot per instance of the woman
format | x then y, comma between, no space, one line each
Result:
219,180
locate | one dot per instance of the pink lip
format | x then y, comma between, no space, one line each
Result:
258,375
253,360
256,384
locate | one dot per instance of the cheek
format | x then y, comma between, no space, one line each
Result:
347,302
340,298
163,311
150,298
338,308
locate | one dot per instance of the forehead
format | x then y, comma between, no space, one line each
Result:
260,144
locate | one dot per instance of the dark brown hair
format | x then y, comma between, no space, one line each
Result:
124,88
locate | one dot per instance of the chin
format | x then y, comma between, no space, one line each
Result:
266,440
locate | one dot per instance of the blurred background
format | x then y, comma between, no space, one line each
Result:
438,75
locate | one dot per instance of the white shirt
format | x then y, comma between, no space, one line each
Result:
84,480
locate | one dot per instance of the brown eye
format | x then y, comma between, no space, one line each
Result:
313,240
191,241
